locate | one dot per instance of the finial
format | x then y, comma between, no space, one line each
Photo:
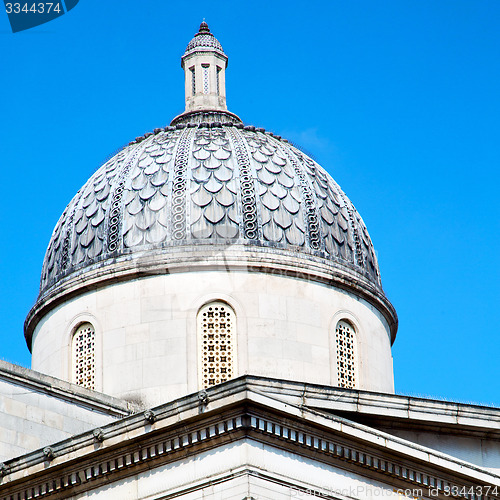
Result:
204,27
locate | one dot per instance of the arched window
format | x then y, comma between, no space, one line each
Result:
84,356
345,339
216,340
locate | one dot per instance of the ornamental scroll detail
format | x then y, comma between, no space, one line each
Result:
115,215
248,199
310,208
179,186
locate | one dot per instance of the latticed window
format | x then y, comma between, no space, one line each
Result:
346,355
218,80
84,356
216,333
193,81
205,78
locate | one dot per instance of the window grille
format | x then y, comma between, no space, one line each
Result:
205,78
216,327
84,356
218,80
193,81
346,355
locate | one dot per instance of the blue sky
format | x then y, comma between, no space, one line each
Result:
398,100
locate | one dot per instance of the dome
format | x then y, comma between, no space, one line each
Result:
215,184
204,40
208,192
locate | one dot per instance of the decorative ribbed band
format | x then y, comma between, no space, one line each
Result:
67,241
310,214
115,215
248,200
179,185
359,249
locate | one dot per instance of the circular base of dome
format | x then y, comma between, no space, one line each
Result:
206,257
206,116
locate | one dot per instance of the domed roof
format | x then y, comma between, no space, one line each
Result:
209,183
204,40
203,193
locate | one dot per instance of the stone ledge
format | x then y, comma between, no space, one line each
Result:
463,417
61,389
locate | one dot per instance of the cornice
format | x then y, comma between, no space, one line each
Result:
60,389
462,419
189,426
205,257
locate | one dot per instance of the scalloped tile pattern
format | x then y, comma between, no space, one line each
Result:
212,184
